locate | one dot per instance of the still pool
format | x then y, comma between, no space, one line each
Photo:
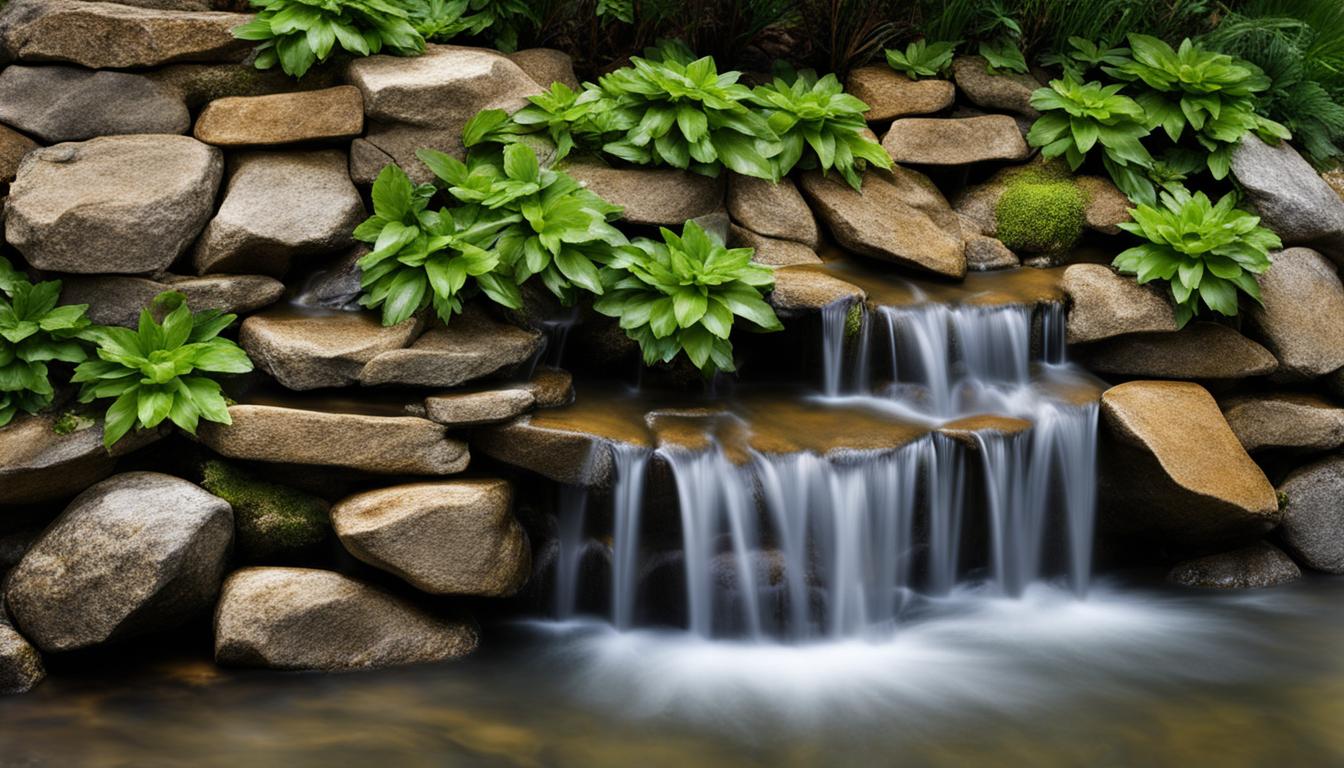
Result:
1129,677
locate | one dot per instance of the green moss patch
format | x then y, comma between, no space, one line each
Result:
1041,210
272,522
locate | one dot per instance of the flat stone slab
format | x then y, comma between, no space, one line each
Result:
118,299
71,104
659,196
1201,350
472,346
1298,421
890,94
469,409
954,141
282,118
314,349
809,290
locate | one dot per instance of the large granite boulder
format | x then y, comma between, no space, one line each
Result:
1008,91
1301,317
889,94
114,204
282,118
954,141
387,445
20,664
899,217
39,465
1173,471
1298,421
137,552
1201,350
445,538
300,618
278,207
1254,567
1313,514
101,35
546,66
72,104
660,196
1105,304
772,209
1292,199
313,349
424,101
118,299
472,346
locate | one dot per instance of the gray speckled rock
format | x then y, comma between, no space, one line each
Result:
469,409
20,664
1201,350
954,141
37,465
472,346
1298,421
771,251
72,104
137,552
118,299
799,290
890,94
114,204
315,349
1292,199
1259,565
1009,91
662,196
282,118
772,209
300,618
1313,514
1301,317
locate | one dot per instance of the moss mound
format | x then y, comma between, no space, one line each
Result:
1041,210
272,522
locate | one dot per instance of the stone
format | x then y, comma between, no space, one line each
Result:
1290,197
899,217
302,618
282,118
272,522
367,161
104,35
280,206
20,664
1313,514
38,465
771,251
13,146
472,346
1106,304
808,290
954,141
135,553
889,94
114,204
663,197
1009,92
385,445
201,84
71,104
1301,314
986,253
469,409
772,209
546,66
444,538
552,387
1172,469
315,349
424,101
565,456
118,299
167,5
1107,207
1201,350
1300,421
1257,566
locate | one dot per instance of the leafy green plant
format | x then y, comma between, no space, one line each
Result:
922,59
1085,56
682,295
161,371
1003,55
442,21
1207,252
569,118
33,332
1076,116
819,126
299,33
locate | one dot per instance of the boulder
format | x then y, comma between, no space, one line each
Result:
1173,470
272,522
1306,422
1201,350
546,66
1104,207
1009,92
386,445
1313,514
469,409
424,101
282,118
38,465
20,664
899,217
201,84
138,552
13,146
889,94
103,35
1259,565
664,196
118,299
445,538
986,253
802,289
1290,197
552,387
114,204
1106,304
72,104
1301,317
954,141
281,206
300,618
772,209
311,349
1107,207
472,346
367,161
771,251
563,455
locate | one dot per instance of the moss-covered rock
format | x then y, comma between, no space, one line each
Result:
1040,211
273,522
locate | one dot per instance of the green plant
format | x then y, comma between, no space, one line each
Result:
922,59
442,21
1003,55
1076,116
1040,212
33,332
1206,252
1085,56
161,371
819,126
851,33
569,118
682,295
299,33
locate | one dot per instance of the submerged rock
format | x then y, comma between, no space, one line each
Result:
299,618
445,538
954,141
72,104
1291,198
890,94
1313,514
282,118
1259,565
1105,304
20,664
660,196
118,299
272,522
1201,350
772,209
1301,314
138,552
1305,422
311,350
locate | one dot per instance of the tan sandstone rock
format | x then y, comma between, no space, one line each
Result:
890,94
1300,421
954,141
282,118
1105,304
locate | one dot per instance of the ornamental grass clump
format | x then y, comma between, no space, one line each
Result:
34,331
682,295
161,371
1207,252
296,34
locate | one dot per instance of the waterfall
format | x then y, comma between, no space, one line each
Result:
627,507
571,510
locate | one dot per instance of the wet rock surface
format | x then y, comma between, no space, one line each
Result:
1313,514
1254,567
